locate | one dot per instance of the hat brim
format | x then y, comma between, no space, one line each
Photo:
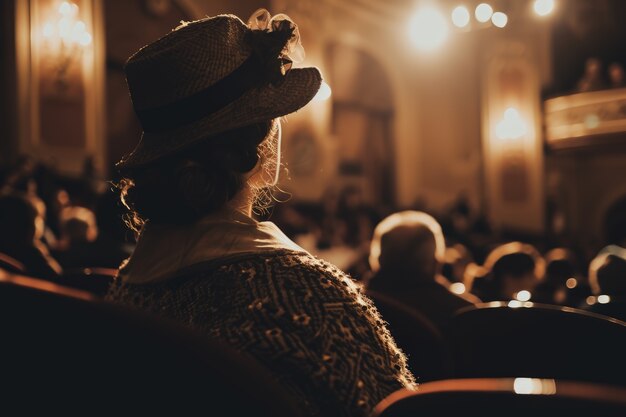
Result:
257,105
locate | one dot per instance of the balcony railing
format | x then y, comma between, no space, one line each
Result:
586,119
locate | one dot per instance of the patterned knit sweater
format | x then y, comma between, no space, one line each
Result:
301,317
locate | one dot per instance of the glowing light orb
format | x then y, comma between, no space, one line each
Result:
460,16
483,12
428,29
543,7
512,126
499,19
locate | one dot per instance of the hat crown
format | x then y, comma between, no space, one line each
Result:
190,58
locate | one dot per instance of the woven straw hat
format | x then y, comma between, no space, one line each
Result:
211,76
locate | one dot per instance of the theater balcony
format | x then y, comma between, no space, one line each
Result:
586,120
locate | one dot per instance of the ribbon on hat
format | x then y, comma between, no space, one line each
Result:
275,45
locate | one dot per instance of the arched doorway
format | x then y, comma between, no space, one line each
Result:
362,123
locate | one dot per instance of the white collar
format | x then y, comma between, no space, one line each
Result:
164,250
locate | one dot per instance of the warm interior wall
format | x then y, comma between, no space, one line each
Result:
436,124
583,185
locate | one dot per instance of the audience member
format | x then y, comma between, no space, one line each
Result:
607,277
79,246
512,268
457,258
201,258
407,252
592,78
561,283
616,75
21,230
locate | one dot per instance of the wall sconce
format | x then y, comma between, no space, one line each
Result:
64,37
512,126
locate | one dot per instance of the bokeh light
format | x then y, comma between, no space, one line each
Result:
499,19
543,7
457,288
428,29
525,386
323,93
483,12
460,16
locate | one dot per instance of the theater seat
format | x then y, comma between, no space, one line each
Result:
10,264
496,340
416,336
519,397
64,352
93,280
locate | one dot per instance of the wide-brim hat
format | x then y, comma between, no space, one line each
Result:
211,76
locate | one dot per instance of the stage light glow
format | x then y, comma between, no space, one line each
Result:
428,29
483,12
523,295
604,299
571,283
460,16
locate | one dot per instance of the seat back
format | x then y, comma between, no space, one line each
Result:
12,265
62,353
524,339
93,280
519,397
416,336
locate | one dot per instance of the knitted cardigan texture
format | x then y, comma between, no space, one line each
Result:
303,318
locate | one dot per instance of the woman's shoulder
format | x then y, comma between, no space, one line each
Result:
292,269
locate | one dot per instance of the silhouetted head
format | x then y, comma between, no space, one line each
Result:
560,266
78,225
232,168
607,271
408,243
514,267
20,222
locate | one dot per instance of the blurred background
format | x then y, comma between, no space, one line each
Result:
504,120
